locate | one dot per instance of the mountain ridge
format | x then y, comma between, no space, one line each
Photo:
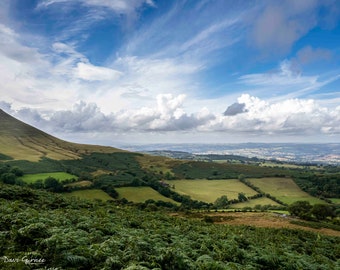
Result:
19,140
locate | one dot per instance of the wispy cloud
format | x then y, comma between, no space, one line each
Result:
286,82
118,6
284,76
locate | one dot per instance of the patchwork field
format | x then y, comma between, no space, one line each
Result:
210,190
31,178
91,194
283,189
254,202
141,194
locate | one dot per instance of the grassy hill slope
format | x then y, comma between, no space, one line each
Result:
22,141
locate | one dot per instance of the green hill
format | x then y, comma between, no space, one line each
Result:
21,141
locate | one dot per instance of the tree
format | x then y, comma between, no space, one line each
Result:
8,178
241,177
17,171
221,202
242,197
322,211
300,209
53,184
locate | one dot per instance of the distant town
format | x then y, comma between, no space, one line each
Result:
328,153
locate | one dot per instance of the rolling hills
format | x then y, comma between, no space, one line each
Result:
114,209
109,169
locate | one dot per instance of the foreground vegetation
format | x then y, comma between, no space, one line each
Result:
67,233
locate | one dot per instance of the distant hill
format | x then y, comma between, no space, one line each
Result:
19,140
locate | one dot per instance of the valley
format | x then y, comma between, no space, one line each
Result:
94,207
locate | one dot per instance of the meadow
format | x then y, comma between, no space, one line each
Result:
284,189
209,190
31,178
254,202
90,194
141,194
335,200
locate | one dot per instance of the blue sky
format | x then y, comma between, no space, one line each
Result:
144,71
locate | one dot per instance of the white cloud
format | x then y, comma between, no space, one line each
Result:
94,73
293,117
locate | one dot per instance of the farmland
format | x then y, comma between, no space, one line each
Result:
283,189
209,190
141,194
252,203
31,178
90,194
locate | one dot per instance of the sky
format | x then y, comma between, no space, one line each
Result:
173,71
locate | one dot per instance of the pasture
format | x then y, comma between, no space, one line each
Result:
284,189
141,194
90,194
335,200
254,202
31,178
209,190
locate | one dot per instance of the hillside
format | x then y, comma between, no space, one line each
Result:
21,141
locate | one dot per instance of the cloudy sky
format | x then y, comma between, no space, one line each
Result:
145,71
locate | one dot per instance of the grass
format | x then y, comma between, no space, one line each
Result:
24,142
335,200
141,194
284,189
31,178
84,183
209,190
90,194
254,202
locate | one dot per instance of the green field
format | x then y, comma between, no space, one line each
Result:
90,194
335,200
31,178
254,202
141,194
210,190
283,189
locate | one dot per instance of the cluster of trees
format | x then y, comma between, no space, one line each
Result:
69,233
304,210
325,185
209,170
10,175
